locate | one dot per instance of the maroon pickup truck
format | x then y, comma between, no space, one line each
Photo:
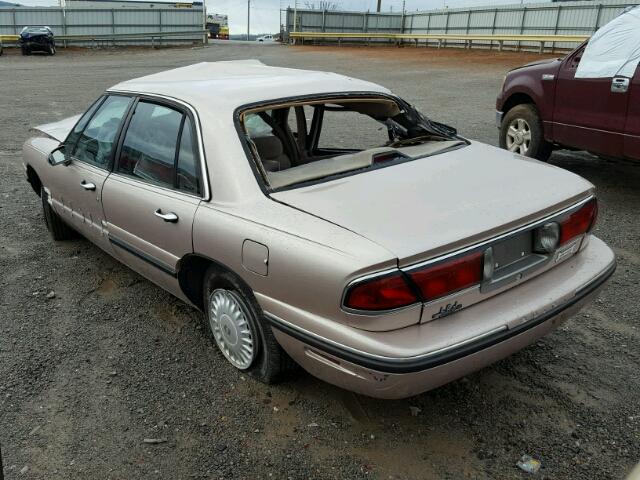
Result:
542,106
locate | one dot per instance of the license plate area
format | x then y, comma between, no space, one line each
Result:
512,258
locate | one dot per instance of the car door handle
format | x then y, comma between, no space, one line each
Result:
167,217
619,85
87,185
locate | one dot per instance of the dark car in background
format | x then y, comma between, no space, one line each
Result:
37,39
589,100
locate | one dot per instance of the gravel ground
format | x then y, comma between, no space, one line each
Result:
112,360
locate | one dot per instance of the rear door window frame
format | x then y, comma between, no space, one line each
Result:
199,151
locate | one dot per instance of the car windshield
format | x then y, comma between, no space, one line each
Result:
309,141
36,30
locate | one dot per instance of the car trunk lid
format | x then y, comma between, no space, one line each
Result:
429,206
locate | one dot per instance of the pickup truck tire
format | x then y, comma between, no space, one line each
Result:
56,226
522,132
235,323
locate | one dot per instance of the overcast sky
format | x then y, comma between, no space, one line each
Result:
265,15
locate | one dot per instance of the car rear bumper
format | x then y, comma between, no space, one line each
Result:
371,372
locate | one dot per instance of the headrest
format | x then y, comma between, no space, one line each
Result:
268,147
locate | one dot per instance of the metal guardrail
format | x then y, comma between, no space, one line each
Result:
442,39
113,37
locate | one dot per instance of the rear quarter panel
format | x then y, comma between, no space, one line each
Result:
310,261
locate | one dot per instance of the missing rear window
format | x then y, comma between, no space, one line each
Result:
308,141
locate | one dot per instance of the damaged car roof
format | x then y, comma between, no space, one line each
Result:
230,84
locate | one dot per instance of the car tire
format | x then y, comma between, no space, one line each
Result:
226,296
24,50
56,226
522,132
52,50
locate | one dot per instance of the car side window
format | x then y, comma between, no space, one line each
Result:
73,136
149,148
574,61
95,144
188,177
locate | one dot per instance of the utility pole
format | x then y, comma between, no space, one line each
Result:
379,6
248,18
295,16
205,37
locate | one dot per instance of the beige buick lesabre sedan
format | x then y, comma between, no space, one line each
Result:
321,218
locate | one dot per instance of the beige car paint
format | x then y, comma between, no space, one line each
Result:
420,219
322,237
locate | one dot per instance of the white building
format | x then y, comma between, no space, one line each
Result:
108,4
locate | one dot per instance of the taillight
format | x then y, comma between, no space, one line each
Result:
449,276
382,293
579,222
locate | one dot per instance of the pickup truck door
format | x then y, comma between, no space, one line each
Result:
76,189
151,197
632,137
589,113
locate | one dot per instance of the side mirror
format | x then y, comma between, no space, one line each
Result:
59,156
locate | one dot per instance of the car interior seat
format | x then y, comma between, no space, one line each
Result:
271,153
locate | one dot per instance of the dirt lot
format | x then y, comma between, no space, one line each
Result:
86,376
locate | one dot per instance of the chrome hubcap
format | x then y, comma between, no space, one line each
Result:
230,327
518,136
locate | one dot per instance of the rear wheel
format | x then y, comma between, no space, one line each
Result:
58,229
522,132
237,327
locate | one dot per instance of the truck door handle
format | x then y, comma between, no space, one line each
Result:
87,185
619,85
167,217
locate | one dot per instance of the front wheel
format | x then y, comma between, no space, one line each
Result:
236,325
522,132
52,50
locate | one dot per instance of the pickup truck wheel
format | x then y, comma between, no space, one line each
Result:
235,323
522,132
58,229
